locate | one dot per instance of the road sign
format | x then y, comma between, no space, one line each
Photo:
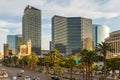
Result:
77,61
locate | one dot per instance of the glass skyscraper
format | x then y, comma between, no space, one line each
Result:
31,28
13,41
99,32
71,34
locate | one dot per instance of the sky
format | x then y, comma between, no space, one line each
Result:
105,12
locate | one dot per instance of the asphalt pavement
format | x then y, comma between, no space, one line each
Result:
16,71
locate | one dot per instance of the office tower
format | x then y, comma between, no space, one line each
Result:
51,45
6,48
114,40
99,32
71,34
31,28
19,42
14,41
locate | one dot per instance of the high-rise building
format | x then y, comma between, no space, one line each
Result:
71,34
6,49
99,33
31,28
51,45
19,42
14,41
114,40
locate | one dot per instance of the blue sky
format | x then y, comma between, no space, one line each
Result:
100,11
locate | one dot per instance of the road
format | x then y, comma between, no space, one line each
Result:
77,76
14,71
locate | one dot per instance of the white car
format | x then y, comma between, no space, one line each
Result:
14,78
27,78
5,74
21,71
36,78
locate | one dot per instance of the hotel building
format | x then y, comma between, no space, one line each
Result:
71,34
114,40
31,28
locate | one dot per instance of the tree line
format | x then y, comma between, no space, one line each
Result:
83,62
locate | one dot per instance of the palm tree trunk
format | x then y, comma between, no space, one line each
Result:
90,71
89,78
105,74
71,73
119,73
83,74
71,70
86,72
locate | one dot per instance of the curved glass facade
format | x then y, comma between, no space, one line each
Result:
100,33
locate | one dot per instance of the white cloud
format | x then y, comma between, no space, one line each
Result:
3,34
86,8
14,28
6,24
94,9
7,28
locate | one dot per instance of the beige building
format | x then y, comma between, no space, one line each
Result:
25,50
6,49
114,39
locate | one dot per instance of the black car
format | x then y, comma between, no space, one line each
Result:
19,75
55,78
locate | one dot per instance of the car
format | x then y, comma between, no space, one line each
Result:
19,75
5,74
14,78
36,78
55,78
22,71
27,78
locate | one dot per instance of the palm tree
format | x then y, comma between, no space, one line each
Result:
71,63
82,66
23,62
103,48
15,60
46,63
32,60
56,58
88,57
